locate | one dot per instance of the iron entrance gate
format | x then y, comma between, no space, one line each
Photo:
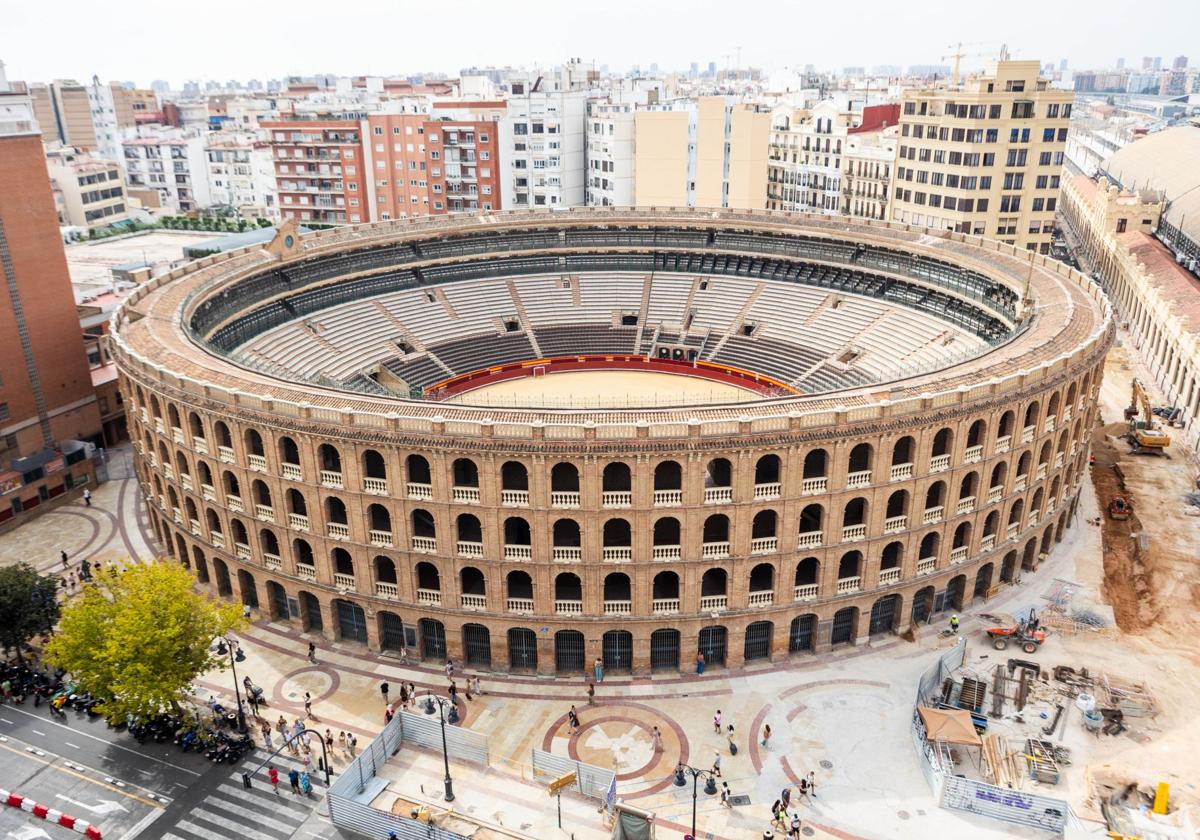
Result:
477,645
922,606
883,615
664,650
391,632
279,600
712,645
843,626
522,649
433,639
352,621
310,608
758,641
955,591
568,651
983,580
617,650
800,637
249,590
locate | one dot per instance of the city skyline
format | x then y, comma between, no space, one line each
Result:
250,41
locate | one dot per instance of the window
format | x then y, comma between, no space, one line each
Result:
378,131
520,128
395,129
1044,159
1014,180
1038,204
992,135
1016,157
993,112
981,206
1022,110
989,158
1010,204
1066,111
1062,135
1052,110
1047,135
1051,204
1121,223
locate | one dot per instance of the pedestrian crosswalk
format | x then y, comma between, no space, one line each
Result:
257,813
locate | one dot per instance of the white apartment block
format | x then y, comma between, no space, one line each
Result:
610,162
171,164
542,143
104,120
805,159
241,175
867,162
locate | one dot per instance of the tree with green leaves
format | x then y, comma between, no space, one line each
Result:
137,639
28,605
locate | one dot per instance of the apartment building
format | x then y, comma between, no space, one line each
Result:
63,108
804,169
705,152
542,142
88,192
320,174
241,175
464,173
397,173
168,167
610,157
867,162
984,157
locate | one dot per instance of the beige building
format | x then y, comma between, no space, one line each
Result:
88,192
64,111
985,156
867,173
708,152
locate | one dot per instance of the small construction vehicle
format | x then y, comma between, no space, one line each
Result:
1005,630
1145,434
1119,507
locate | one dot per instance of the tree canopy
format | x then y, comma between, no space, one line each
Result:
28,605
137,639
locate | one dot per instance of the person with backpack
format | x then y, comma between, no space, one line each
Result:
294,778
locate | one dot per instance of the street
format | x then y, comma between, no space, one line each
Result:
131,790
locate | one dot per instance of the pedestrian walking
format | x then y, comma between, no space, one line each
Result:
766,734
699,663
297,728
775,812
281,725
63,554
71,583
733,747
328,741
795,830
785,797
726,796
87,496
468,688
803,788
591,694
307,759
267,738
412,694
781,818
383,689
342,742
716,768
476,687
273,775
312,653
352,742
598,669
453,691
449,668
954,623
717,722
388,714
656,737
294,778
403,696
812,784
572,721
308,706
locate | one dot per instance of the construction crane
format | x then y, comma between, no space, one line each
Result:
958,55
1145,435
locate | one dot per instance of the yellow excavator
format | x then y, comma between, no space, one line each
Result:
1145,435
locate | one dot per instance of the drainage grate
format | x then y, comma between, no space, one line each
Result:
827,764
807,832
739,799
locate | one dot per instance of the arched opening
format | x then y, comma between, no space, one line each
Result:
802,633
351,620
763,532
465,474
664,650
310,613
254,443
983,580
1031,416
429,583
815,467
379,519
890,559
618,540
850,572
968,489
277,601
844,629
568,594
935,501
262,499
998,480
715,536
975,438
393,635
518,539
758,641
296,504
469,535
1004,430
767,472
195,427
811,526
808,576
477,646
885,615
289,456
713,592
1008,568
567,540
762,585
224,438
668,483
564,485
374,471
854,519
667,545
618,594
335,511
302,555
472,588
922,605
718,475
713,645
617,482
903,453
665,593
616,650
200,565
419,476
519,588
385,573
329,459
232,488
942,443
240,536
897,512
514,483
568,652
247,588
221,571
859,465
956,591
433,639
522,650
343,565
423,529
214,524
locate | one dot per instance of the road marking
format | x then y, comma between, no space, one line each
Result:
110,743
142,824
6,720
38,732
69,744
50,763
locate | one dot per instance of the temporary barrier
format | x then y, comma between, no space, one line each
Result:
45,812
593,782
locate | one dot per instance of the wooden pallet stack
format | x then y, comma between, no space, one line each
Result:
1001,764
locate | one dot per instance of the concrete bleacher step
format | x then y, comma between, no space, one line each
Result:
412,339
643,309
523,316
738,320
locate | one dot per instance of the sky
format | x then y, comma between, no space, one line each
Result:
176,40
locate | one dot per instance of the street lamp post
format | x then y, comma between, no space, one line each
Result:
442,703
710,786
234,650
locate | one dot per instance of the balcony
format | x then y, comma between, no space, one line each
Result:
375,486
714,550
1066,415
889,576
337,530
467,548
850,533
387,590
718,495
217,539
429,597
272,561
988,542
995,494
862,478
958,555
520,605
567,554
473,602
668,498
186,481
342,581
158,426
965,505
708,603
1058,459
168,472
666,552
257,462
329,478
1003,443
809,539
973,454
225,454
306,572
1050,505
298,521
200,445
902,472
380,539
926,565
564,498
665,606
424,545
768,491
764,545
617,554
291,472
234,503
518,552
616,498
761,599
939,463
895,524
1034,515
1027,434
241,551
932,515
514,498
265,512
1020,484
1049,425
178,516
1042,470
810,486
806,592
1011,531
177,435
563,607
618,607
465,495
847,585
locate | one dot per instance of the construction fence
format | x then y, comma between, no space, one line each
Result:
592,782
